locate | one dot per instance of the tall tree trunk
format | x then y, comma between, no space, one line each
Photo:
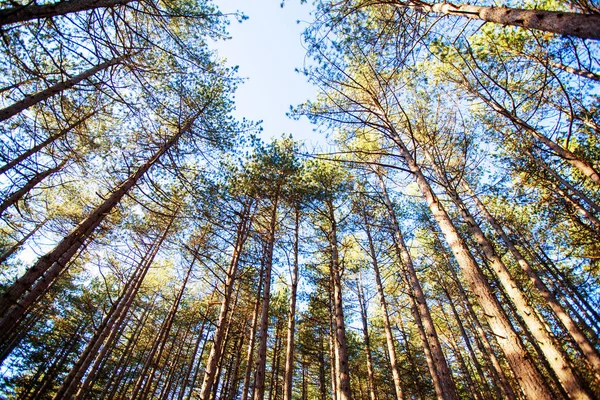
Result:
436,361
391,346
57,88
261,362
18,298
289,353
33,11
251,342
242,232
550,347
343,371
585,345
367,340
531,381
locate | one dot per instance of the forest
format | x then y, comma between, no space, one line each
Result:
445,246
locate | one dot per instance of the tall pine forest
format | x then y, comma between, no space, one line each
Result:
444,245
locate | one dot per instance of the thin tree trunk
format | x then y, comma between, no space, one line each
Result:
33,11
25,291
343,371
289,353
52,138
242,232
14,198
9,252
367,341
259,380
250,350
391,347
57,88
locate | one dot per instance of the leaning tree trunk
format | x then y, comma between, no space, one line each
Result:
289,353
591,355
531,380
50,139
57,88
14,198
215,353
33,11
26,290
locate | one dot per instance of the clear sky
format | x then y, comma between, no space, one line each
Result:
268,48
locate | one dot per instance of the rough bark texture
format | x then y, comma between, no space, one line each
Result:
584,344
34,11
585,26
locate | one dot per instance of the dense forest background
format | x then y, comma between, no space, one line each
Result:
153,247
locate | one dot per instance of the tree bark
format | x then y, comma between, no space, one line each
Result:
35,11
261,361
366,338
591,355
445,387
586,26
391,346
289,353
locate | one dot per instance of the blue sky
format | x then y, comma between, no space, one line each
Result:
267,47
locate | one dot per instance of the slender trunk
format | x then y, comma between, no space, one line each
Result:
250,350
391,346
188,373
333,359
14,198
341,346
25,291
438,366
289,353
562,23
259,380
33,11
532,382
52,138
366,338
161,341
583,166
585,345
55,89
9,252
